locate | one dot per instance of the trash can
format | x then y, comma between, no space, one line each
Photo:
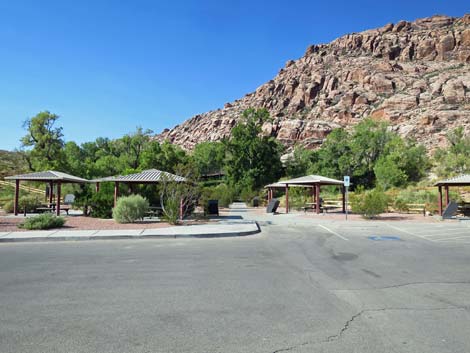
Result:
213,207
255,201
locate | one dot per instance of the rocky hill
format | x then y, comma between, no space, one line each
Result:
416,75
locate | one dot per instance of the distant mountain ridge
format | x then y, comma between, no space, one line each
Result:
416,75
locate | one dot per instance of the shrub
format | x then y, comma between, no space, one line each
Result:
401,205
171,212
130,208
369,203
28,203
221,192
8,207
43,221
101,204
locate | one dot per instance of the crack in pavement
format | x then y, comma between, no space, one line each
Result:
349,322
399,285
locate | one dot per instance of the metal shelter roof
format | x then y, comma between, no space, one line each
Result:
49,175
147,176
282,185
461,180
312,179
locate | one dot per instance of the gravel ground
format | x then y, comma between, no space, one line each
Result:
9,224
403,217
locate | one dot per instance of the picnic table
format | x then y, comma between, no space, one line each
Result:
154,211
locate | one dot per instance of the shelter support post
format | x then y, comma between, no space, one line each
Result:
343,192
446,188
116,192
17,196
51,193
58,198
287,198
317,198
97,187
440,199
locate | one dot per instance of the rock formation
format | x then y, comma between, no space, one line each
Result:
415,75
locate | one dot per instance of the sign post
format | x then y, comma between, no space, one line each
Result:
346,185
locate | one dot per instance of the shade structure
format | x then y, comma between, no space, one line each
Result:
150,176
313,179
461,180
146,176
49,176
310,181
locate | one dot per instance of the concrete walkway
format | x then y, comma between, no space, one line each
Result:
221,229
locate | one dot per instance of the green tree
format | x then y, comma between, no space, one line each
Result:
368,143
164,156
402,162
389,173
43,143
334,159
252,160
299,162
209,157
132,146
453,160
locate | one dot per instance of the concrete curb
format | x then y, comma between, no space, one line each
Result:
52,237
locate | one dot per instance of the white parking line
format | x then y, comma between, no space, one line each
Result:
443,235
453,238
332,232
407,232
438,232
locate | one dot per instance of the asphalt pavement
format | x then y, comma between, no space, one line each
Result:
301,285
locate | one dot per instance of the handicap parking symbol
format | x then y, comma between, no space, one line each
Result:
383,237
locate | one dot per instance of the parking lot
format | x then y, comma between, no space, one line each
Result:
302,285
445,232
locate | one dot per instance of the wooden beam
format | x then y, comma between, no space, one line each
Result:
57,207
97,187
446,188
116,192
317,198
17,196
287,198
51,192
440,199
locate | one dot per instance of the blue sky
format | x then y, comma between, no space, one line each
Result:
107,67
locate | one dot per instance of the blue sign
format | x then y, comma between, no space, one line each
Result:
346,180
383,237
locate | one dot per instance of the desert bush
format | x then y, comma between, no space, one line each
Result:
172,210
369,203
43,221
28,203
221,192
8,207
101,205
400,205
130,208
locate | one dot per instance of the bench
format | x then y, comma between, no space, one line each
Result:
44,209
154,212
331,205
